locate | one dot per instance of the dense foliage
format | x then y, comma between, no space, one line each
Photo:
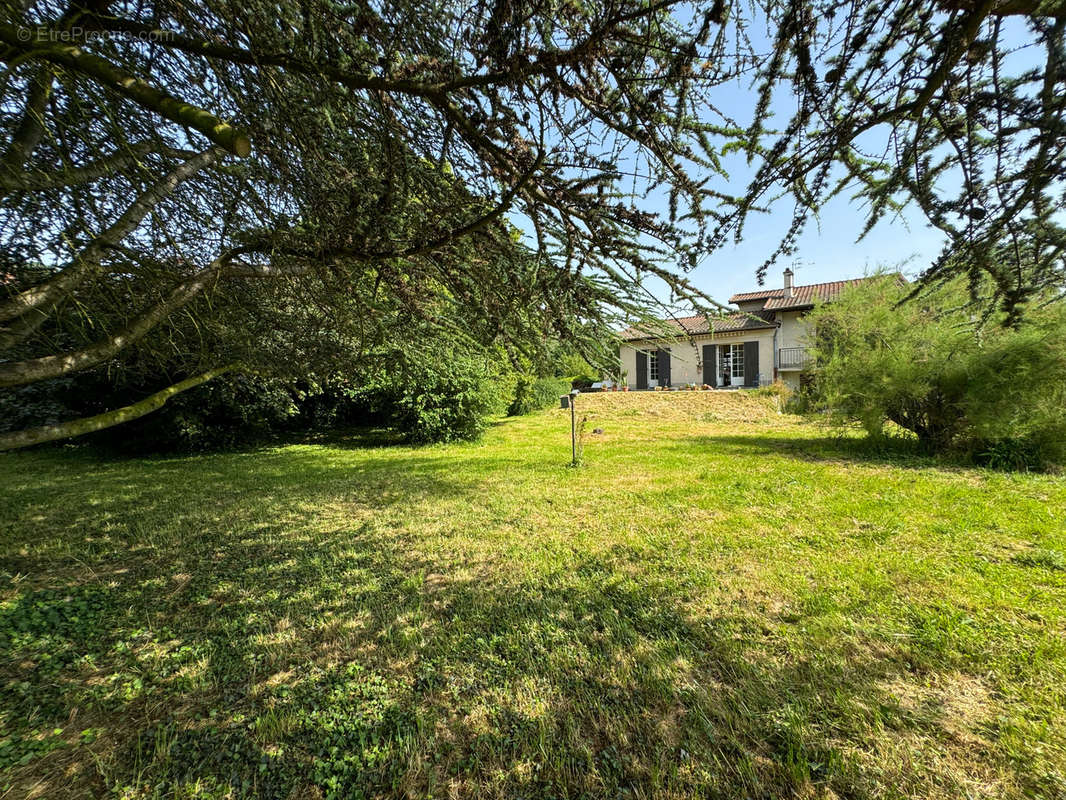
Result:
935,367
420,403
234,409
291,181
216,186
436,392
533,394
441,394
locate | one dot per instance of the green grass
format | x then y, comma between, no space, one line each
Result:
722,602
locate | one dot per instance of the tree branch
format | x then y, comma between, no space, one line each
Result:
31,127
1007,8
252,271
36,180
144,94
540,63
498,211
44,296
108,419
18,373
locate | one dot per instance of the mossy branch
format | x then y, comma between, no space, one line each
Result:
84,425
73,58
44,296
19,373
37,180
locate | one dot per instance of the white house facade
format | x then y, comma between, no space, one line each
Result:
740,348
765,340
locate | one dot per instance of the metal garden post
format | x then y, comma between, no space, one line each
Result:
564,401
573,427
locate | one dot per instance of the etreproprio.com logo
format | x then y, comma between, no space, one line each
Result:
79,35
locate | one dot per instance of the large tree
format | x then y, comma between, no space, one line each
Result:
330,169
954,106
360,158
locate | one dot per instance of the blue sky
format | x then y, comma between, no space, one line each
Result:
827,251
828,248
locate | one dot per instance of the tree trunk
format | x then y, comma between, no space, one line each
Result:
80,427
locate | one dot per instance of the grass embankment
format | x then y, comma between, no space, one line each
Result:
723,601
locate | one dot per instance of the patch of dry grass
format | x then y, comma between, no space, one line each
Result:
687,407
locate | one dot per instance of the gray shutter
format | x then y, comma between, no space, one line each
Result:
751,363
642,370
710,364
664,367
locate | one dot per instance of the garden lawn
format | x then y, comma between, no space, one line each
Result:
723,601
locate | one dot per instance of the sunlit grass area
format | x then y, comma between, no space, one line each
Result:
724,601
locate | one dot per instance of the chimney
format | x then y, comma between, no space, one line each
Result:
789,291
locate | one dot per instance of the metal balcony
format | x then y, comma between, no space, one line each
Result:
792,357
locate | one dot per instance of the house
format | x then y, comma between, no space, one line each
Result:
764,340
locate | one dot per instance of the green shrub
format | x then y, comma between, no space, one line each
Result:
1017,455
776,389
803,400
535,394
42,403
231,410
958,381
522,403
440,394
327,404
437,396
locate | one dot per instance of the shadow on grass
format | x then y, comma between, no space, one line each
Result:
895,451
309,651
344,438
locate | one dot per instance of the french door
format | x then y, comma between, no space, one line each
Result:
731,365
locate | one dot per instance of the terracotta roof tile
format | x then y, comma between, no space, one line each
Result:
802,296
773,300
692,326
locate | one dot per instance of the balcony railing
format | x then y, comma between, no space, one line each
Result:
792,358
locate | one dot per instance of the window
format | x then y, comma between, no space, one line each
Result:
731,358
738,362
653,366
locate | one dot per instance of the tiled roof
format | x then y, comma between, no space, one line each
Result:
802,296
773,300
692,326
